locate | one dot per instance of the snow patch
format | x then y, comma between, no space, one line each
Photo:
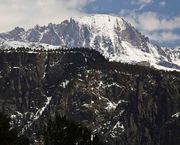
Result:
36,116
176,115
119,125
64,83
7,45
39,113
112,105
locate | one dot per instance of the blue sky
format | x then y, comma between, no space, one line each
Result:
157,19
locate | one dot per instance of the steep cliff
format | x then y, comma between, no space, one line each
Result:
124,104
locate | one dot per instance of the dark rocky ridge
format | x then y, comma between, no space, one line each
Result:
124,104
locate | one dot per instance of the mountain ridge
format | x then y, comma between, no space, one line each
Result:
112,36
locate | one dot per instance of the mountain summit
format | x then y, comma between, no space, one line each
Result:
115,38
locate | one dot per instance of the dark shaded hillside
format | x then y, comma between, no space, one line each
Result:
61,131
124,104
9,135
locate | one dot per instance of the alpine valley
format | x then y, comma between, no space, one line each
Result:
96,70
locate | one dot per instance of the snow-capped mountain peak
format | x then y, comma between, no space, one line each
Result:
102,22
116,39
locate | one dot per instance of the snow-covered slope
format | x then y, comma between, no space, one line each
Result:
7,45
174,54
116,39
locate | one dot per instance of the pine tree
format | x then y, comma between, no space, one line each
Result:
8,135
64,132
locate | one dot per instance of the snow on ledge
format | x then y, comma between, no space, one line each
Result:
176,115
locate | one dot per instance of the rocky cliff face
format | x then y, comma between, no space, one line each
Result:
123,104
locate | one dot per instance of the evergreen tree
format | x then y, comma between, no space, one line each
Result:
22,140
64,132
8,135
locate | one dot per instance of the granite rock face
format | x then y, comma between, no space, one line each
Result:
123,104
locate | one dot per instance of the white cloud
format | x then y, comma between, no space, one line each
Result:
27,13
163,36
140,2
151,21
153,25
162,3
